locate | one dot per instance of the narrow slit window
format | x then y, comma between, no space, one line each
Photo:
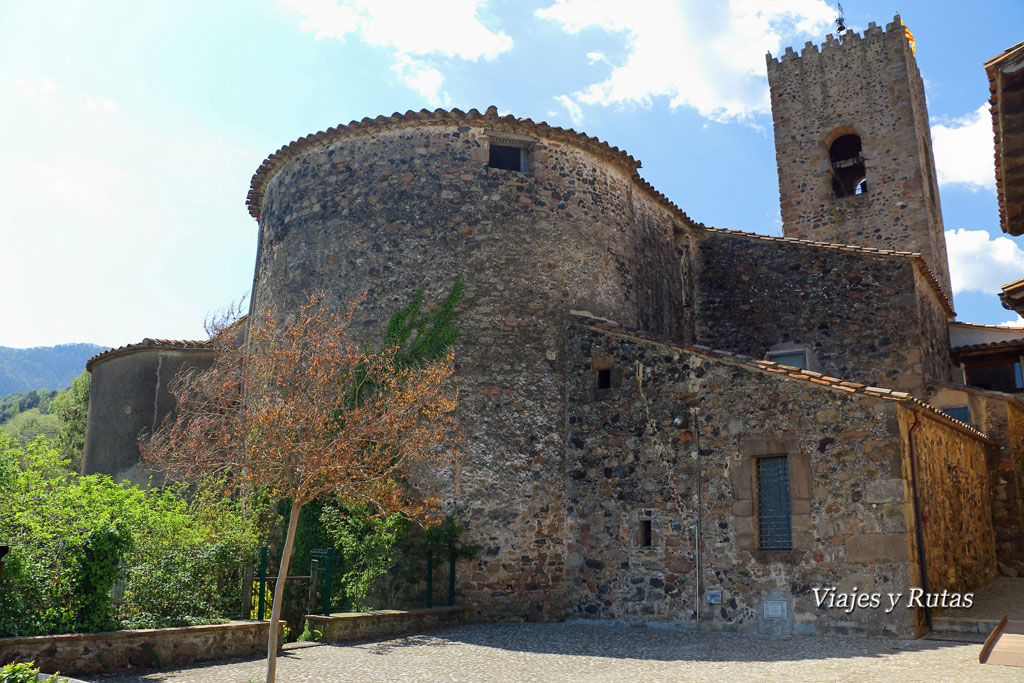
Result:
604,379
774,527
646,535
508,158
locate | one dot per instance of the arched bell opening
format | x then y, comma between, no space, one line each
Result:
848,174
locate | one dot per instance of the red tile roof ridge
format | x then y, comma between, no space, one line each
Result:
274,162
798,374
1003,343
150,343
992,71
991,327
916,257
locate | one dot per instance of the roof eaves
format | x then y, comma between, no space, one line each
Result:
808,376
987,346
993,70
150,344
990,327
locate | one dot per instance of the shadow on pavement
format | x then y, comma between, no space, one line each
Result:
631,642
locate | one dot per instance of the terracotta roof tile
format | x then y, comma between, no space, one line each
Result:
993,68
772,367
987,346
991,327
147,343
917,258
443,117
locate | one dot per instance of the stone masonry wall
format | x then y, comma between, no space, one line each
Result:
953,484
114,651
628,463
999,417
857,315
869,86
1008,491
399,208
933,333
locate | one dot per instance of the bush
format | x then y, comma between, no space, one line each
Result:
385,556
24,673
73,538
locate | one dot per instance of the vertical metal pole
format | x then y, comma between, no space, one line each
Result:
247,591
451,577
327,586
260,606
696,535
314,577
430,579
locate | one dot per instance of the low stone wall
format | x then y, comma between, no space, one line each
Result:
112,651
347,626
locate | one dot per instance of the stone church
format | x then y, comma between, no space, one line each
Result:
667,422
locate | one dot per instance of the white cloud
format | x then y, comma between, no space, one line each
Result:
74,186
595,57
417,32
979,263
93,103
38,91
103,211
963,150
424,79
575,112
1019,322
695,55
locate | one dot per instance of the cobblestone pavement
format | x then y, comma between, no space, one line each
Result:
577,652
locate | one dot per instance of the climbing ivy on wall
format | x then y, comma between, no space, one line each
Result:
422,337
425,337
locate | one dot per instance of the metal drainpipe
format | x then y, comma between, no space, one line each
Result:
696,535
918,518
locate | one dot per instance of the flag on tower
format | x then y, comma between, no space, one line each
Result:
910,39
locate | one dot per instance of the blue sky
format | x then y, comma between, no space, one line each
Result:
130,130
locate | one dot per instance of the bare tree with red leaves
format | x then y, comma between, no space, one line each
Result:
302,410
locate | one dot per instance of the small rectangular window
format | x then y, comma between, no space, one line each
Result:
508,158
962,413
774,526
646,535
604,379
796,359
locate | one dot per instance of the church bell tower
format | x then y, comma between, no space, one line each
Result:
854,148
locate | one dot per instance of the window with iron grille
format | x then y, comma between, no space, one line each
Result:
774,530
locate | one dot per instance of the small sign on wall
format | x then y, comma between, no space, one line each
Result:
714,597
774,609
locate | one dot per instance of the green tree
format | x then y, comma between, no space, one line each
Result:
24,427
72,410
178,549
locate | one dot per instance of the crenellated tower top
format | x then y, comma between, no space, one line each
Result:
854,147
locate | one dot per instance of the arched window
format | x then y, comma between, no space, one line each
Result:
848,176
